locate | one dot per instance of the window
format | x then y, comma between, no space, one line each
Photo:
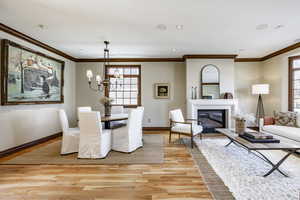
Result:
294,83
125,91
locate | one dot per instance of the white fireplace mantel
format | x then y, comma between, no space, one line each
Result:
230,105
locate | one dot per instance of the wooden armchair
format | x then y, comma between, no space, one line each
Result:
185,127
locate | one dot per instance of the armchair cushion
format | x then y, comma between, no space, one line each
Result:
176,115
186,128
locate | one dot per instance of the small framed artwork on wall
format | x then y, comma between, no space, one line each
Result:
29,77
162,91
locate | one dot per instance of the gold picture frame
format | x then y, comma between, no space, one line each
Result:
162,91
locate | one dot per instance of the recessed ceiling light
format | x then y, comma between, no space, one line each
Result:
179,27
161,27
279,26
262,26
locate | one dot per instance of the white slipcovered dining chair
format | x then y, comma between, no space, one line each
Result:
129,138
117,110
83,109
141,130
70,139
185,127
94,142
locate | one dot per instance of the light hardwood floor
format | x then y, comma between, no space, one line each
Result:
177,178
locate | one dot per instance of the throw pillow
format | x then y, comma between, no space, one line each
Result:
285,118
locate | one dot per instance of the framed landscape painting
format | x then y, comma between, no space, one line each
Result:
29,77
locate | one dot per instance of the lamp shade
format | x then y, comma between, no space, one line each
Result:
260,89
89,73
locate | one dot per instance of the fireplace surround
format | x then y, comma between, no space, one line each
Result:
229,105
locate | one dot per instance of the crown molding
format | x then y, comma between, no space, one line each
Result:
31,40
210,56
131,60
281,51
248,60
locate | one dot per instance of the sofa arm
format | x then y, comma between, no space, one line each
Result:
269,121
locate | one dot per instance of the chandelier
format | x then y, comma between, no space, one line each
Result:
103,83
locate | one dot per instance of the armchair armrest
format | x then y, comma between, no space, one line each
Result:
173,123
191,119
185,122
194,120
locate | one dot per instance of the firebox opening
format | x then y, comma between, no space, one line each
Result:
211,119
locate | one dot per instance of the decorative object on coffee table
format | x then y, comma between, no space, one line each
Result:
259,137
240,126
260,89
106,101
240,123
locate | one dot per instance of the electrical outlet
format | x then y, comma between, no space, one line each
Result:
149,120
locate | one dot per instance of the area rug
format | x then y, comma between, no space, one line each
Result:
151,153
242,172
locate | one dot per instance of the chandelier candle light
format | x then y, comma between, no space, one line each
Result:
102,84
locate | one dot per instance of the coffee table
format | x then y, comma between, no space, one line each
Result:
289,146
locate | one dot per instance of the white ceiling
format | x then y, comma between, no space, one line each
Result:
78,27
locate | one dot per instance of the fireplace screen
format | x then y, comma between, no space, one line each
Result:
211,119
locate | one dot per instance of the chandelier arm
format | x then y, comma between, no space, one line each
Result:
104,84
94,89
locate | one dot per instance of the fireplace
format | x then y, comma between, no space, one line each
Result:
211,119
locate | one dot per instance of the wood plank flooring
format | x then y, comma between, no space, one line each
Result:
177,178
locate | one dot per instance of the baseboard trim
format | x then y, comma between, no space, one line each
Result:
29,144
156,128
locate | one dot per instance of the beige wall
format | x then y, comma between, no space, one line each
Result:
22,124
235,77
193,74
156,110
275,72
246,74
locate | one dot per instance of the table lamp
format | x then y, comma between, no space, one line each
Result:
260,89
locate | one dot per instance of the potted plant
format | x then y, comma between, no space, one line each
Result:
106,101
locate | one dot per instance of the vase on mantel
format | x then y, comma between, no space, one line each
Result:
194,92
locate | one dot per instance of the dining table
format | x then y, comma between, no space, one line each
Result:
113,117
